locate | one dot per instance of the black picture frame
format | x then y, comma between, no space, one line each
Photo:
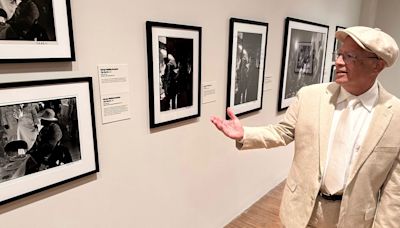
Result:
333,73
50,39
62,106
246,65
337,44
174,72
292,79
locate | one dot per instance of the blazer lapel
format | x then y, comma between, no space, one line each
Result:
327,107
380,120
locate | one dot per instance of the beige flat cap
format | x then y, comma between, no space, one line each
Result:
372,40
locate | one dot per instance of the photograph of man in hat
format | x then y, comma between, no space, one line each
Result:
346,166
47,151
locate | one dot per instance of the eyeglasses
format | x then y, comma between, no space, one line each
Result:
351,57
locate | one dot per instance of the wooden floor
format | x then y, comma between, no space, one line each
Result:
263,213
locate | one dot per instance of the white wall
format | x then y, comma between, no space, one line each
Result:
387,16
368,13
182,175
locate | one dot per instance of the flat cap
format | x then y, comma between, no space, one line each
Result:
372,40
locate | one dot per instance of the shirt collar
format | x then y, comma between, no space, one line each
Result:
368,99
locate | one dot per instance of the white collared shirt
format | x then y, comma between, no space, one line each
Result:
362,115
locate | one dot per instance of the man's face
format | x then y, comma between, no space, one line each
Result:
355,67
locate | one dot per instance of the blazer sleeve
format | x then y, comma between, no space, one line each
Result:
272,135
387,212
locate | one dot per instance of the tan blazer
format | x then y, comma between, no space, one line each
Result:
372,194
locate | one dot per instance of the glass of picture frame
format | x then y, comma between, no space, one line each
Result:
48,133
48,39
303,58
174,72
246,65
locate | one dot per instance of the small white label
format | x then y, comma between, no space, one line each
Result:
114,92
267,83
209,94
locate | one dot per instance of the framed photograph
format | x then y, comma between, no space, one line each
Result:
48,135
333,73
337,44
174,68
36,31
246,66
303,58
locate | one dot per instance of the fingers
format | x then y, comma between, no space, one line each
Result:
216,121
231,114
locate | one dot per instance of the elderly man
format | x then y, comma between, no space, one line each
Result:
346,170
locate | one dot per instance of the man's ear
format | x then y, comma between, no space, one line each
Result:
379,66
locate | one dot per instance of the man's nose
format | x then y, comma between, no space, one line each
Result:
339,60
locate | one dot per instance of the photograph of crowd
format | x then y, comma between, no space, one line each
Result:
176,75
37,136
31,20
306,60
248,52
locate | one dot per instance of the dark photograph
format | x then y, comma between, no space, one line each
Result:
303,58
248,54
246,65
305,64
31,20
174,60
37,136
176,76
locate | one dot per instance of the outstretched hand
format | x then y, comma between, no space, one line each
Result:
231,128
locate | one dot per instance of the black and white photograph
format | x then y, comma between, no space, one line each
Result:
246,67
174,72
176,61
27,20
35,30
303,59
47,137
37,135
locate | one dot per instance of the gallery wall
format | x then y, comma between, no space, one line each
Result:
185,174
385,18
